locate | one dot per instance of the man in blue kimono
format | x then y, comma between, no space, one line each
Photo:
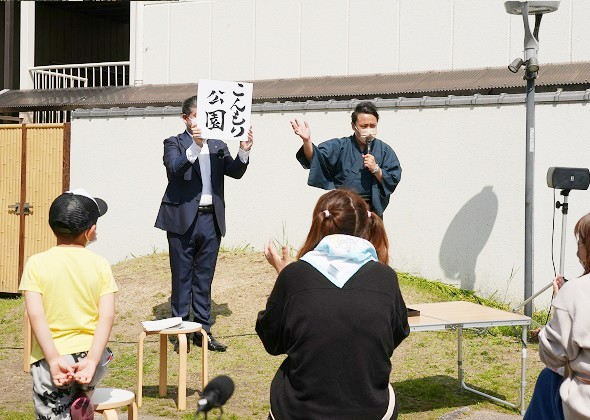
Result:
360,162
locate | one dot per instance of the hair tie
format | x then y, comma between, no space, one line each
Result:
326,213
369,213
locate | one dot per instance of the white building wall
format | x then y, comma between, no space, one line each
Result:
482,34
580,12
278,45
232,40
184,41
156,44
426,35
373,38
457,216
265,39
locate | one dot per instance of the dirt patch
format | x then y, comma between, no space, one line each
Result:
240,279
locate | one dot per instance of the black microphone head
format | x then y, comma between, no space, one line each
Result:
220,154
369,146
216,393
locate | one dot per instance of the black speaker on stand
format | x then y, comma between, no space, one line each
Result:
565,179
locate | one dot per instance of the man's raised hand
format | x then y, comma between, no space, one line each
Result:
302,130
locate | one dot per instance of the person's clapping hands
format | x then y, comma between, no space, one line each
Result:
84,371
247,145
272,256
558,282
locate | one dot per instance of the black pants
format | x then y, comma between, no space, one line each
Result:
193,256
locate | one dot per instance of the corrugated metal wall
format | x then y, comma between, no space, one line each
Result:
43,182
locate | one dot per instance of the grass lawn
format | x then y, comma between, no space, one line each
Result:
424,372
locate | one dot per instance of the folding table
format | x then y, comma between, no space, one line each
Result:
458,315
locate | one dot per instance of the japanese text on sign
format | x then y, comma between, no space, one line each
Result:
223,109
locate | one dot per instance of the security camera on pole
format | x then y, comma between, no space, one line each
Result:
531,63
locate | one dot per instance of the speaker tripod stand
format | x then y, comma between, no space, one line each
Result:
564,209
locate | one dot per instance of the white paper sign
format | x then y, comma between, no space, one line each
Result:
223,109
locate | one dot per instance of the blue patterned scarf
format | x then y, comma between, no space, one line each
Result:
339,257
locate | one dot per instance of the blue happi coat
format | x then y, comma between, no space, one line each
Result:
338,163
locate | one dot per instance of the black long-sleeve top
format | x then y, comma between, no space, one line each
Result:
338,342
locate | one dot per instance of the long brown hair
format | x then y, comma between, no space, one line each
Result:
345,212
582,232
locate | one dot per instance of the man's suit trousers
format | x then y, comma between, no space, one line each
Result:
193,256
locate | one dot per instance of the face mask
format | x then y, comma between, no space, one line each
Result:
88,242
366,133
190,122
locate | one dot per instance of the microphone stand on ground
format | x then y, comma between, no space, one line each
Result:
564,208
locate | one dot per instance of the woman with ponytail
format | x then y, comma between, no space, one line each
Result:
338,314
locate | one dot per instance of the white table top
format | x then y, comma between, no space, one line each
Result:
446,315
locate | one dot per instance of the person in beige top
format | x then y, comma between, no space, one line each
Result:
564,345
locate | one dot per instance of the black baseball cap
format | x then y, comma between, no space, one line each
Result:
75,211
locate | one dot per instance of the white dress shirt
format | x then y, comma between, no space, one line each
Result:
195,152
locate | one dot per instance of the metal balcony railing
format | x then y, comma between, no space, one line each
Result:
69,76
115,73
47,79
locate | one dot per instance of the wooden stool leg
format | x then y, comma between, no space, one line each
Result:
132,412
163,364
182,367
110,414
204,358
139,392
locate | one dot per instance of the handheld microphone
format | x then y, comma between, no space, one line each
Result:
220,154
216,393
369,146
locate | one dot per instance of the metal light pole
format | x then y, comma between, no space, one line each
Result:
531,62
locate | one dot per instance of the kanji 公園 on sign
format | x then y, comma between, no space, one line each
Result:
223,109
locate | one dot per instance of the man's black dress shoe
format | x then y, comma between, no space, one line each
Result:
213,345
177,346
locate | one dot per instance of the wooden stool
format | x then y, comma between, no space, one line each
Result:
181,333
106,400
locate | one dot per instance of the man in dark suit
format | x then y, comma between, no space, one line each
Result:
192,213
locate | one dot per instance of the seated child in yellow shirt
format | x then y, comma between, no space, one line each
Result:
69,297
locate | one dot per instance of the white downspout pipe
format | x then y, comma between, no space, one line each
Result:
27,43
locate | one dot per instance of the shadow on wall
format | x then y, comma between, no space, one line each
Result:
466,236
